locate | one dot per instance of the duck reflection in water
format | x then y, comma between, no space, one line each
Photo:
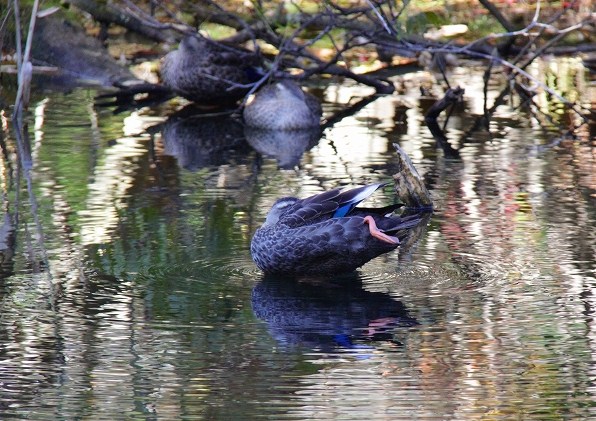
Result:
337,314
198,139
283,121
286,147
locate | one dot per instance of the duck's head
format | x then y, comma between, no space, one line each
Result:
278,209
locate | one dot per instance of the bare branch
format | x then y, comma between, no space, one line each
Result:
111,13
381,19
498,15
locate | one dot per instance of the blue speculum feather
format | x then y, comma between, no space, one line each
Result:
344,210
362,194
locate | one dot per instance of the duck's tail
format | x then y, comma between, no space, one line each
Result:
393,224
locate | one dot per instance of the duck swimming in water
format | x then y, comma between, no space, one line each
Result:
326,234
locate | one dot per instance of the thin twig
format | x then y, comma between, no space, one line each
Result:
20,130
17,22
26,68
381,19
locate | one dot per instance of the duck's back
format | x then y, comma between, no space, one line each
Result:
205,72
328,247
283,106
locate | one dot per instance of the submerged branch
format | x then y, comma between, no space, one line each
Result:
24,156
452,97
409,185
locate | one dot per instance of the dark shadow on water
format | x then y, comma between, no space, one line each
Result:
198,139
7,246
410,238
329,315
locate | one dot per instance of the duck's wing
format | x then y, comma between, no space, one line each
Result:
349,199
312,208
330,204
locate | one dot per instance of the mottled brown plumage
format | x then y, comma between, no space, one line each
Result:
209,72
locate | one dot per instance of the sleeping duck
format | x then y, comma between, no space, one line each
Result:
209,72
283,106
326,234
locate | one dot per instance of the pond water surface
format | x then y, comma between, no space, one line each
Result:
142,301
